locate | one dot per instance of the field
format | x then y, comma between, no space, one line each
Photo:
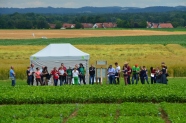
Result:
95,103
28,34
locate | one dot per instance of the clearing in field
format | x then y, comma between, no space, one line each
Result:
31,34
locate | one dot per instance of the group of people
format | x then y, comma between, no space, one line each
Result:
76,75
137,73
64,75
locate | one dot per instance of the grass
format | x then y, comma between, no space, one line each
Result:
164,40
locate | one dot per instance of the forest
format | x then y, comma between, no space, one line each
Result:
123,20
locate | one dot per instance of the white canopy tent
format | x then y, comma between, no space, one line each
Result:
55,54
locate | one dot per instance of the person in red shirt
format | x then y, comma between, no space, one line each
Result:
55,75
126,64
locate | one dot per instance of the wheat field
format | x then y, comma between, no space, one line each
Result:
148,55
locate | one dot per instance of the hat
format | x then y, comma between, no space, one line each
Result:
136,65
126,62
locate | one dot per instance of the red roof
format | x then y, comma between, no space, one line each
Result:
109,25
87,25
52,26
68,25
165,25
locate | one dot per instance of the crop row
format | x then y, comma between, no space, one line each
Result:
170,39
24,94
94,113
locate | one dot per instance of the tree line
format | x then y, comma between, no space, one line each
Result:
123,20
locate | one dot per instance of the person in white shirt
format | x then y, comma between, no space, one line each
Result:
75,74
61,75
117,74
111,74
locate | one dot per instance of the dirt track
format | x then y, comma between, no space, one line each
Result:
29,34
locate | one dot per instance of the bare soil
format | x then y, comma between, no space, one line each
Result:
31,34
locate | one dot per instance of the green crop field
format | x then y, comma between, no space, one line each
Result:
149,103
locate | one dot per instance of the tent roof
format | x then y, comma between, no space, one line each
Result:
67,51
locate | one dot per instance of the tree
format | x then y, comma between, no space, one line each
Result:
78,25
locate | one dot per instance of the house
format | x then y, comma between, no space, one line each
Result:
165,25
68,26
159,25
109,25
87,25
52,26
105,25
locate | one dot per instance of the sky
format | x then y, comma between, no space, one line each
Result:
94,3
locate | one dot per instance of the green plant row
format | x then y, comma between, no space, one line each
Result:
94,113
165,39
23,94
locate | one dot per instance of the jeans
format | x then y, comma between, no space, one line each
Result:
142,80
128,79
117,78
62,79
69,80
30,80
55,82
82,77
135,77
91,79
13,82
146,78
153,80
112,79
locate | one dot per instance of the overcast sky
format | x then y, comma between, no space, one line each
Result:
94,3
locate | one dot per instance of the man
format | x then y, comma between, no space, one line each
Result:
135,73
82,73
92,74
117,74
69,76
31,75
41,70
12,75
111,74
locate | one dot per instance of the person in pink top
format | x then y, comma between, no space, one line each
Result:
38,76
55,75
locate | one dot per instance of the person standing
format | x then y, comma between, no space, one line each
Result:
135,73
163,74
45,75
92,74
38,76
146,75
31,77
75,74
61,75
12,75
153,75
65,75
117,74
125,75
142,75
28,74
111,74
69,76
82,73
55,75
126,64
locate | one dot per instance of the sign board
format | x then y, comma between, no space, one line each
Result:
101,62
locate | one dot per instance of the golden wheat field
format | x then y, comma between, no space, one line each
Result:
28,34
149,55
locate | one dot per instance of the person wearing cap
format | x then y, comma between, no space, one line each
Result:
135,73
111,74
12,75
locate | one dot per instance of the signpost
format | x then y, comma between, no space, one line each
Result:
101,71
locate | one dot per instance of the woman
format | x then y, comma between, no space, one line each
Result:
153,75
45,75
38,76
163,74
55,75
75,74
111,73
28,74
158,75
61,75
125,74
142,75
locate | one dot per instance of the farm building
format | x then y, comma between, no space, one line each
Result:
68,26
159,25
